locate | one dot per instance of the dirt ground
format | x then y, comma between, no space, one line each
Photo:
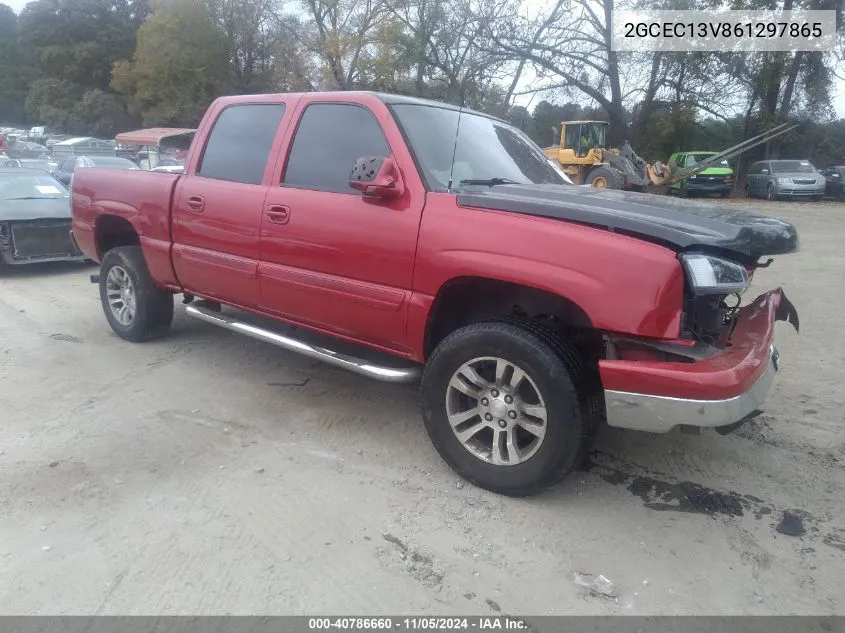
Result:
208,473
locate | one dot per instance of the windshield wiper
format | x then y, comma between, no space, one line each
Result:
488,182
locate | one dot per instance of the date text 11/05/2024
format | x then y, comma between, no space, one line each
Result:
501,623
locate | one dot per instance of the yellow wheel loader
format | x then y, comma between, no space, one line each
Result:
584,156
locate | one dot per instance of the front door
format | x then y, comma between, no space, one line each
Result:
217,208
753,178
331,258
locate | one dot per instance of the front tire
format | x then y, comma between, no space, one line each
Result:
135,307
770,193
502,406
605,178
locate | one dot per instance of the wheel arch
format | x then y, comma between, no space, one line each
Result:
467,299
111,231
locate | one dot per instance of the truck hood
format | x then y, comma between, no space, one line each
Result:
678,224
38,209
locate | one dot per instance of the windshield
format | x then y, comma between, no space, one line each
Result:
693,159
593,135
792,167
485,148
27,184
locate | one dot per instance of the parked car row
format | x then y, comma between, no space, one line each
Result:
770,179
65,169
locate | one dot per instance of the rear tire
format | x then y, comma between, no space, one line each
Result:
502,455
135,307
605,178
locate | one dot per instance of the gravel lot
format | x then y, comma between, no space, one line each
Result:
208,473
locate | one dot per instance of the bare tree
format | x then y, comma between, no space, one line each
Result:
571,45
450,49
338,33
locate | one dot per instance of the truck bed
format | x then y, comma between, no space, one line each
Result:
140,198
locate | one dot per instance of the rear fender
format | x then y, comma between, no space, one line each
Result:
141,198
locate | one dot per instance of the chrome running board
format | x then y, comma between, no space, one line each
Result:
407,374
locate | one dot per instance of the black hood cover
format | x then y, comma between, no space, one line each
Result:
677,223
39,209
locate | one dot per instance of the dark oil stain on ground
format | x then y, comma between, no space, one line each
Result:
660,494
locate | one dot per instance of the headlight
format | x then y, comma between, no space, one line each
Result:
693,177
783,181
714,276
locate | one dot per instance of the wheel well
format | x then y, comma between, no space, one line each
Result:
112,231
471,299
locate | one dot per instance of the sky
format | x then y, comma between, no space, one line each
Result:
838,99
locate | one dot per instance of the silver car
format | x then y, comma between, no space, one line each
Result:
784,179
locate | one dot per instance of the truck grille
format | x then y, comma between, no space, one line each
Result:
42,239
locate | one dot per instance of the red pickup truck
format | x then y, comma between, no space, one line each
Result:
402,238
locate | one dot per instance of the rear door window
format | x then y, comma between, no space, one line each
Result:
329,139
239,145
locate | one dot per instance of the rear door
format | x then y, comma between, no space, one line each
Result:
217,206
331,258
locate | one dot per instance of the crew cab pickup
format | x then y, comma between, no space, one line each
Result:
411,240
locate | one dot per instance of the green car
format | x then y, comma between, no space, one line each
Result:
718,179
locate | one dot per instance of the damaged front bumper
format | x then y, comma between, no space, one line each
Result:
717,392
37,241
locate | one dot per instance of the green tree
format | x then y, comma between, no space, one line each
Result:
69,47
180,65
12,80
79,40
52,102
520,117
101,114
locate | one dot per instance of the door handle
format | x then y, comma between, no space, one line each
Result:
196,204
278,214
